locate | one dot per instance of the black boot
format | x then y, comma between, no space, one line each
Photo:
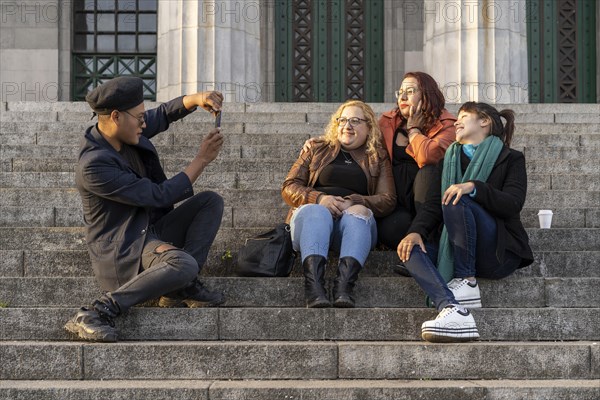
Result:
347,275
314,282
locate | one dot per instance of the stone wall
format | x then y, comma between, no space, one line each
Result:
35,50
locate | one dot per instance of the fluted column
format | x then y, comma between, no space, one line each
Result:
210,45
477,50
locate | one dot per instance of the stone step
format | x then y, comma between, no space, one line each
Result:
76,263
229,151
560,153
262,167
248,217
61,196
563,181
301,324
260,151
288,292
33,360
57,189
66,106
304,107
314,126
215,180
73,108
81,111
294,116
12,185
305,324
563,217
564,389
71,238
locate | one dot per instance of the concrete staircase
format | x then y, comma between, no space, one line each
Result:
539,328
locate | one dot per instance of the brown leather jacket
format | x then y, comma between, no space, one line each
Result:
298,187
426,149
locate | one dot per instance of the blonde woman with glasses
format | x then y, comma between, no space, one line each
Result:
336,188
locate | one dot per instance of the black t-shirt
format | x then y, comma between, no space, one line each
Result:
342,177
405,169
131,155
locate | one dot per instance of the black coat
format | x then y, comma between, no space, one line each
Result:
502,195
118,204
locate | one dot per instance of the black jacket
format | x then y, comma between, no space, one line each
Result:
118,204
502,195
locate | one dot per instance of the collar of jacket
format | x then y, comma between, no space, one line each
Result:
143,144
504,153
395,119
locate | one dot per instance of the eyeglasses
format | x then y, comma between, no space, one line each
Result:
354,121
409,92
140,120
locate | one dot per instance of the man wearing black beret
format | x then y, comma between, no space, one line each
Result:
141,248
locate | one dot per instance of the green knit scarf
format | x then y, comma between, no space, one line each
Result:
479,169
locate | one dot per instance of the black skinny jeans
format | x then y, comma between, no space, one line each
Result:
191,228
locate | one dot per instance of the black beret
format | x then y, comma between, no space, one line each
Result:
122,93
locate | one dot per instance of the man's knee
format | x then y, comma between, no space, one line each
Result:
208,200
214,199
181,261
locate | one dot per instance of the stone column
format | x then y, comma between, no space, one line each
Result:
209,45
477,50
597,53
35,50
403,42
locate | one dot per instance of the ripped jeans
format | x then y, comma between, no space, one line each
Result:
314,231
190,228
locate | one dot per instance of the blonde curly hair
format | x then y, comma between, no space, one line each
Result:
374,135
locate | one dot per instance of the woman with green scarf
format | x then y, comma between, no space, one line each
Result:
484,184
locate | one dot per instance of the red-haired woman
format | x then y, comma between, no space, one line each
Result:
416,134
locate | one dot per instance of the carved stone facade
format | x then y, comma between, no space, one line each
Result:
476,50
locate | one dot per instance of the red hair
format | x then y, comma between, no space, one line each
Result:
433,101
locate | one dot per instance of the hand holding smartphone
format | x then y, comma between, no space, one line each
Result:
217,119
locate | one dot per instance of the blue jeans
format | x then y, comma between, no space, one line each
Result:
472,234
473,237
422,267
314,231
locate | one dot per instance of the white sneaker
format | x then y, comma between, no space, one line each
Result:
453,324
466,293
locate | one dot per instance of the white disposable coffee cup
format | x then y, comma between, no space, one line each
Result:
545,217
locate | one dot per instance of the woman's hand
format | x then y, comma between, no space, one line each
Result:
334,204
406,245
457,190
308,144
416,118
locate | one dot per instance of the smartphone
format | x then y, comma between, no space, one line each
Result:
218,119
